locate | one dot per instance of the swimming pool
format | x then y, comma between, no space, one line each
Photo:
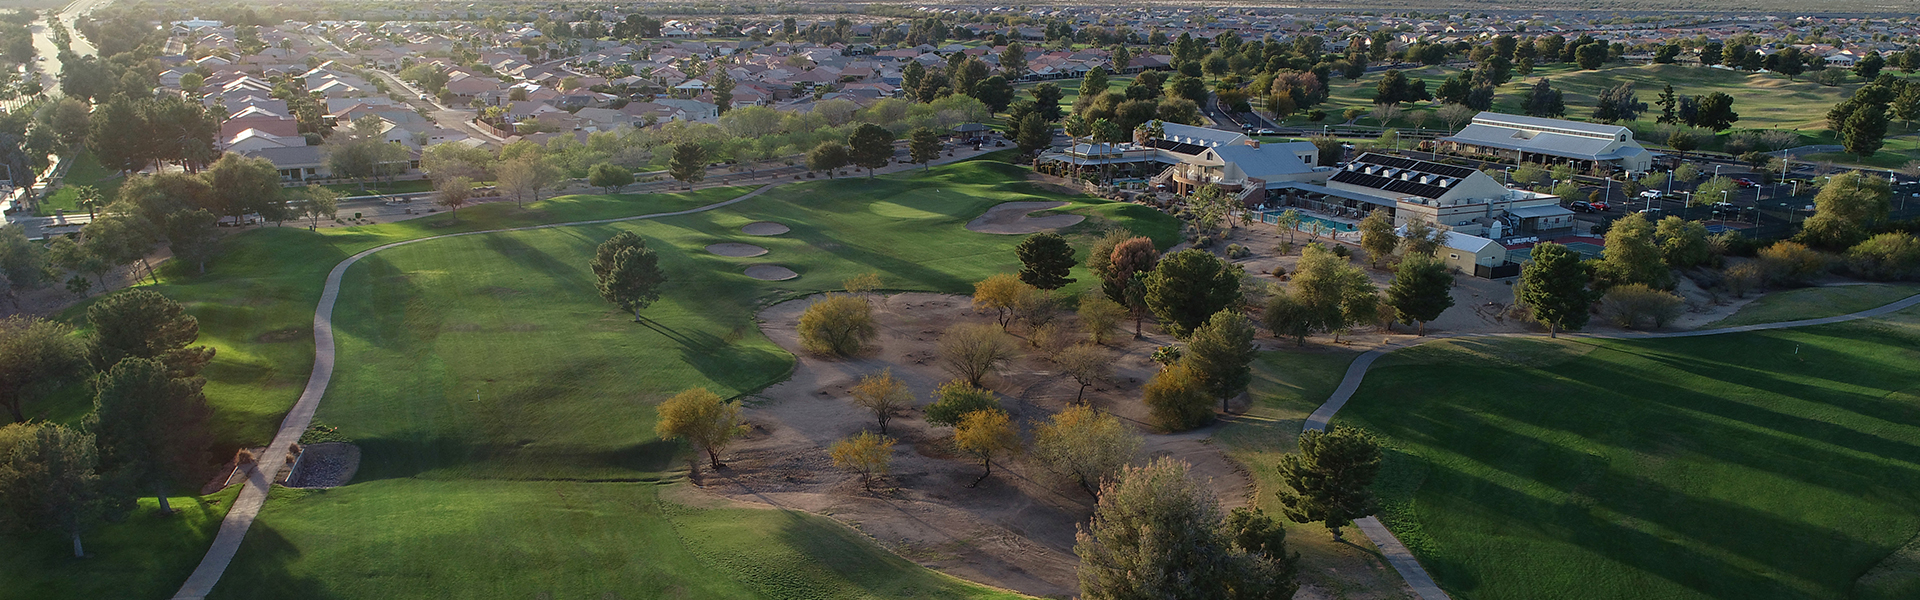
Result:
1273,218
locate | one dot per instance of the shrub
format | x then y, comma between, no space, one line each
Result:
1205,241
866,453
971,351
955,399
1279,271
1177,400
1341,251
1886,257
1238,251
1636,306
1791,263
1743,278
837,325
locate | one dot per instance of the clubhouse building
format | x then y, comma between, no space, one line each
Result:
1516,138
1182,158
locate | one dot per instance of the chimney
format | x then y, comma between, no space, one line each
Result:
1254,143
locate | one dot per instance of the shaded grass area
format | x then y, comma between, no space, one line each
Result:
1765,465
1816,302
421,538
404,186
145,556
85,171
1288,385
486,365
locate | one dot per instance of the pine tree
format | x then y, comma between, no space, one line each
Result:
627,273
151,427
1421,290
924,146
1553,284
1046,259
1329,479
1220,353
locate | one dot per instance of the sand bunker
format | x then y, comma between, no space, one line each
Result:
736,250
1010,218
765,228
771,273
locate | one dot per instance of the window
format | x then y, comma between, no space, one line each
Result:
1453,256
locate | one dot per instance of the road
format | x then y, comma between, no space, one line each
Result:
48,54
450,118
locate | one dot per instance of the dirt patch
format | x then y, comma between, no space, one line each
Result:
325,465
1016,529
771,273
1010,218
765,228
736,250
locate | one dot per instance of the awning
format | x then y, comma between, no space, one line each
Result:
1324,190
1530,212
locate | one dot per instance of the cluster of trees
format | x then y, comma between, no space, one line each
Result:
146,434
1861,120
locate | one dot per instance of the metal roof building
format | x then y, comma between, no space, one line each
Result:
1552,141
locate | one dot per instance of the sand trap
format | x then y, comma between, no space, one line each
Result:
736,250
771,273
765,228
1010,218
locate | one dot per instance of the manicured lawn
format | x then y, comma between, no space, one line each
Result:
1813,303
145,556
85,171
1288,385
504,409
1767,465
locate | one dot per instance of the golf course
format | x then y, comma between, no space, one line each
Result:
504,409
1772,464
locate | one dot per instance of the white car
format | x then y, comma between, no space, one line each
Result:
1650,195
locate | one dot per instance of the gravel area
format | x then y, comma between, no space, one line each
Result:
771,273
765,228
736,249
325,465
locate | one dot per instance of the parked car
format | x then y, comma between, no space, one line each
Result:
1602,206
1746,183
1269,132
1580,207
1650,195
1651,211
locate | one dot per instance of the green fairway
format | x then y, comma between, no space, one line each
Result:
1288,385
85,171
1766,465
489,385
1816,302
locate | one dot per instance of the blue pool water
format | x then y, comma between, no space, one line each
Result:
1272,218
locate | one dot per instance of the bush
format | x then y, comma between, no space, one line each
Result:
1238,251
1177,400
1636,306
955,399
1204,241
1743,278
1279,271
1792,263
1341,251
1886,257
838,325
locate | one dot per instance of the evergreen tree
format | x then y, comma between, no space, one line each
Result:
48,481
141,323
627,273
870,146
1046,260
1330,479
1553,284
924,146
151,427
1633,255
1156,533
1220,353
1544,101
1187,287
1421,290
689,163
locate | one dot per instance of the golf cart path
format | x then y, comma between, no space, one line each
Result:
1390,546
253,493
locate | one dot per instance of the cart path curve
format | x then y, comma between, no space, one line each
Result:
1390,546
246,506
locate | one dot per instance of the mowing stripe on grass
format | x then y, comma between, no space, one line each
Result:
1396,552
233,530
